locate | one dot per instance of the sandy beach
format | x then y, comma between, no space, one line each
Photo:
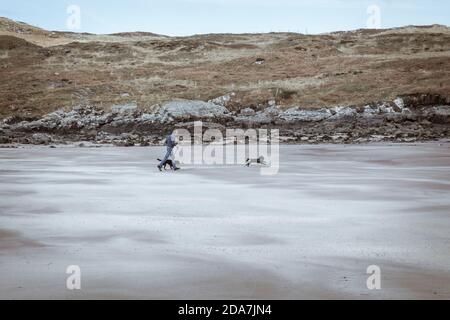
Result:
226,232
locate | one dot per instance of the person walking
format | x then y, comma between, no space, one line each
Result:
170,144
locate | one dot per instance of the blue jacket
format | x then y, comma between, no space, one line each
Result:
170,141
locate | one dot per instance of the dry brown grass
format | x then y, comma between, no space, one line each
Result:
54,70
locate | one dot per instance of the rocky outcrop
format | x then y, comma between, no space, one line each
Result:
251,118
300,115
403,119
186,110
223,100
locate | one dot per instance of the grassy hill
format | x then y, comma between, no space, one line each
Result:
42,71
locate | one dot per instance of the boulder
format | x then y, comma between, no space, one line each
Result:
342,112
223,100
369,111
272,103
438,114
180,110
400,103
297,114
247,112
387,108
125,108
250,117
4,139
41,138
395,117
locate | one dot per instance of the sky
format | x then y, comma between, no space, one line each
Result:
187,17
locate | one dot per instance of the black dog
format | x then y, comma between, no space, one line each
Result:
168,163
260,160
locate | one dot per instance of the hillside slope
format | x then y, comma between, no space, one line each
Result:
43,71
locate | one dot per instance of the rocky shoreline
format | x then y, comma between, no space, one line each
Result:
420,117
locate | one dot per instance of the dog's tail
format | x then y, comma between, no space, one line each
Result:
159,160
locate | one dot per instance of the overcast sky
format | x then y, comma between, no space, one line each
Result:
186,17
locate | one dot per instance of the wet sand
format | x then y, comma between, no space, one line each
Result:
309,232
